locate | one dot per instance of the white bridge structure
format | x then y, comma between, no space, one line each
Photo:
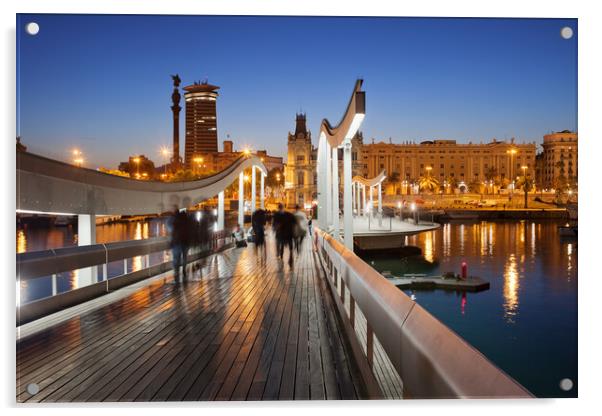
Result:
362,203
331,139
47,186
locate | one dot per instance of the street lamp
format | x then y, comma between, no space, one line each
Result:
166,154
136,160
511,152
78,158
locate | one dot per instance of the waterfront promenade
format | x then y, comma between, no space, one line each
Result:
242,329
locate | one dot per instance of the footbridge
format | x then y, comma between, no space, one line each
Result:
246,325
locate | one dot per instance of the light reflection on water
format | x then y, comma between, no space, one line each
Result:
511,288
527,321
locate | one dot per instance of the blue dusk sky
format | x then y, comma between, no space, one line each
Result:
102,83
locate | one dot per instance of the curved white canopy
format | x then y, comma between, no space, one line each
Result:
47,185
371,182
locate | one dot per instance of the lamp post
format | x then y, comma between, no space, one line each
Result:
511,152
165,153
136,160
78,159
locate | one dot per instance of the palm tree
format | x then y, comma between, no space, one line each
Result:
428,183
452,182
526,184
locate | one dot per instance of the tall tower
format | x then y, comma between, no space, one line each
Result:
201,120
176,161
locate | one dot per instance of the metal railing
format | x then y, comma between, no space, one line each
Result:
98,257
431,360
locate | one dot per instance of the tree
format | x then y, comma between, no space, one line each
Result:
452,182
428,183
183,175
275,178
491,173
526,184
115,172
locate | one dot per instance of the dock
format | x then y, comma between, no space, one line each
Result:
471,284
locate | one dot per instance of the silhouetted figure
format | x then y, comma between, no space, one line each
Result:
206,225
309,225
180,241
258,221
300,227
284,224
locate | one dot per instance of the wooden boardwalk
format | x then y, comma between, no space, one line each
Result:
242,329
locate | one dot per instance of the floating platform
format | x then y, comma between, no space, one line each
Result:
419,281
372,233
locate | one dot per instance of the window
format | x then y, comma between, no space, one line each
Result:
301,158
300,178
441,166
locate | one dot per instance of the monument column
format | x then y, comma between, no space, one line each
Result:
175,108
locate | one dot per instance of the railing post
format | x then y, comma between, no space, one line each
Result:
343,291
54,286
369,344
125,266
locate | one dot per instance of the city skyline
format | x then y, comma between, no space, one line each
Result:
425,79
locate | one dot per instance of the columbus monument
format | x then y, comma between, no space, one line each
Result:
176,161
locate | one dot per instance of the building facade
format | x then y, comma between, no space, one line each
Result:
559,160
300,174
201,121
207,163
447,159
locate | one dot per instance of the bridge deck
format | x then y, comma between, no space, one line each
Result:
247,330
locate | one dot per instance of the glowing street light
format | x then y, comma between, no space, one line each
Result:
136,160
166,155
246,151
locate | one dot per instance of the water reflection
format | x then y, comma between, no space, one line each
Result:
511,287
21,242
527,321
428,246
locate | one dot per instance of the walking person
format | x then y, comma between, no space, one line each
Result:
300,227
309,225
180,241
283,223
258,221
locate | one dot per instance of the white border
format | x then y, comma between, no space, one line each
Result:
590,68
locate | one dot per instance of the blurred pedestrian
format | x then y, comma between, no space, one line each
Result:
284,223
309,225
300,227
258,221
180,241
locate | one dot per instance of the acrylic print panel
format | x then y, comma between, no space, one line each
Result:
294,208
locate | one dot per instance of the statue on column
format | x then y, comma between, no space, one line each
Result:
176,161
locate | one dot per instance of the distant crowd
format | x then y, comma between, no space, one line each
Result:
186,232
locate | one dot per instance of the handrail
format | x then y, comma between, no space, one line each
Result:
47,262
432,360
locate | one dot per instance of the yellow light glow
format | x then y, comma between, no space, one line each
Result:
511,288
